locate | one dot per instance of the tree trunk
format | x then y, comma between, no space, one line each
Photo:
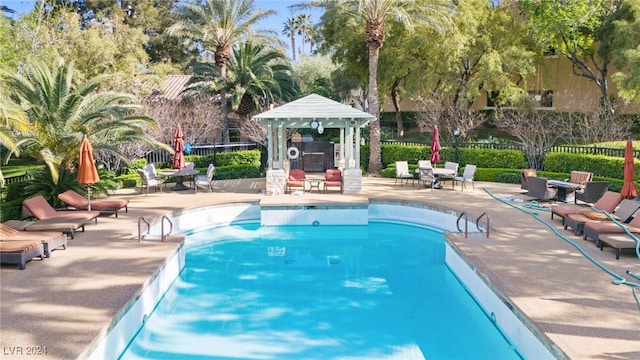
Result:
396,105
224,125
375,146
293,46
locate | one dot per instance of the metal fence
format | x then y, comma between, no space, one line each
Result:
17,179
199,149
572,149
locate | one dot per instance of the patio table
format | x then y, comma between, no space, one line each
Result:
563,187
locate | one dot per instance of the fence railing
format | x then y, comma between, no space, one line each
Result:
17,179
199,149
573,149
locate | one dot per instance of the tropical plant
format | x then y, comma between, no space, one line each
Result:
257,76
304,24
60,113
215,26
373,15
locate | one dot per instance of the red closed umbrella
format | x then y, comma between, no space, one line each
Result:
87,172
629,189
178,147
435,146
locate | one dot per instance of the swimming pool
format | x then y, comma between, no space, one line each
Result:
384,281
305,292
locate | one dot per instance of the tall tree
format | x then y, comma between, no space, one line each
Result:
304,23
581,31
289,28
215,26
60,112
374,17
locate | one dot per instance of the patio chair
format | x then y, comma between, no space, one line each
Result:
333,178
591,192
467,176
79,202
403,174
538,188
622,213
50,240
453,166
426,176
205,180
608,202
19,252
524,175
595,230
580,177
297,178
146,181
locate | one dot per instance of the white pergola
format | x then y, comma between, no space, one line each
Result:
302,113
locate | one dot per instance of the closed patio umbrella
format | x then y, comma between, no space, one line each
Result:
87,172
178,147
435,146
629,189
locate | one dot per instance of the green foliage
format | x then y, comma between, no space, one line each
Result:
508,178
43,184
599,165
411,154
11,210
237,172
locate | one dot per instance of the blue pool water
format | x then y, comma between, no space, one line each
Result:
380,291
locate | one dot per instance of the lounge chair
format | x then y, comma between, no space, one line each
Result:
524,176
618,242
608,202
403,174
332,178
39,208
297,178
63,225
79,202
50,240
595,230
591,191
622,213
467,176
538,188
205,180
20,252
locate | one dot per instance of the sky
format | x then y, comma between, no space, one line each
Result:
274,23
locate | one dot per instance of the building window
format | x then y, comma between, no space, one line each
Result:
542,98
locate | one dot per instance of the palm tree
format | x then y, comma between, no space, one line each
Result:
257,76
215,26
60,113
290,27
374,15
304,23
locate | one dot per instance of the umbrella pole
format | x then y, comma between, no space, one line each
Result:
89,197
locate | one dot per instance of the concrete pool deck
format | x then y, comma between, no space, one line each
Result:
64,302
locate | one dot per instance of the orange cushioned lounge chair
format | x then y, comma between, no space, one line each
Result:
622,213
608,202
50,240
20,251
79,202
594,230
39,208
